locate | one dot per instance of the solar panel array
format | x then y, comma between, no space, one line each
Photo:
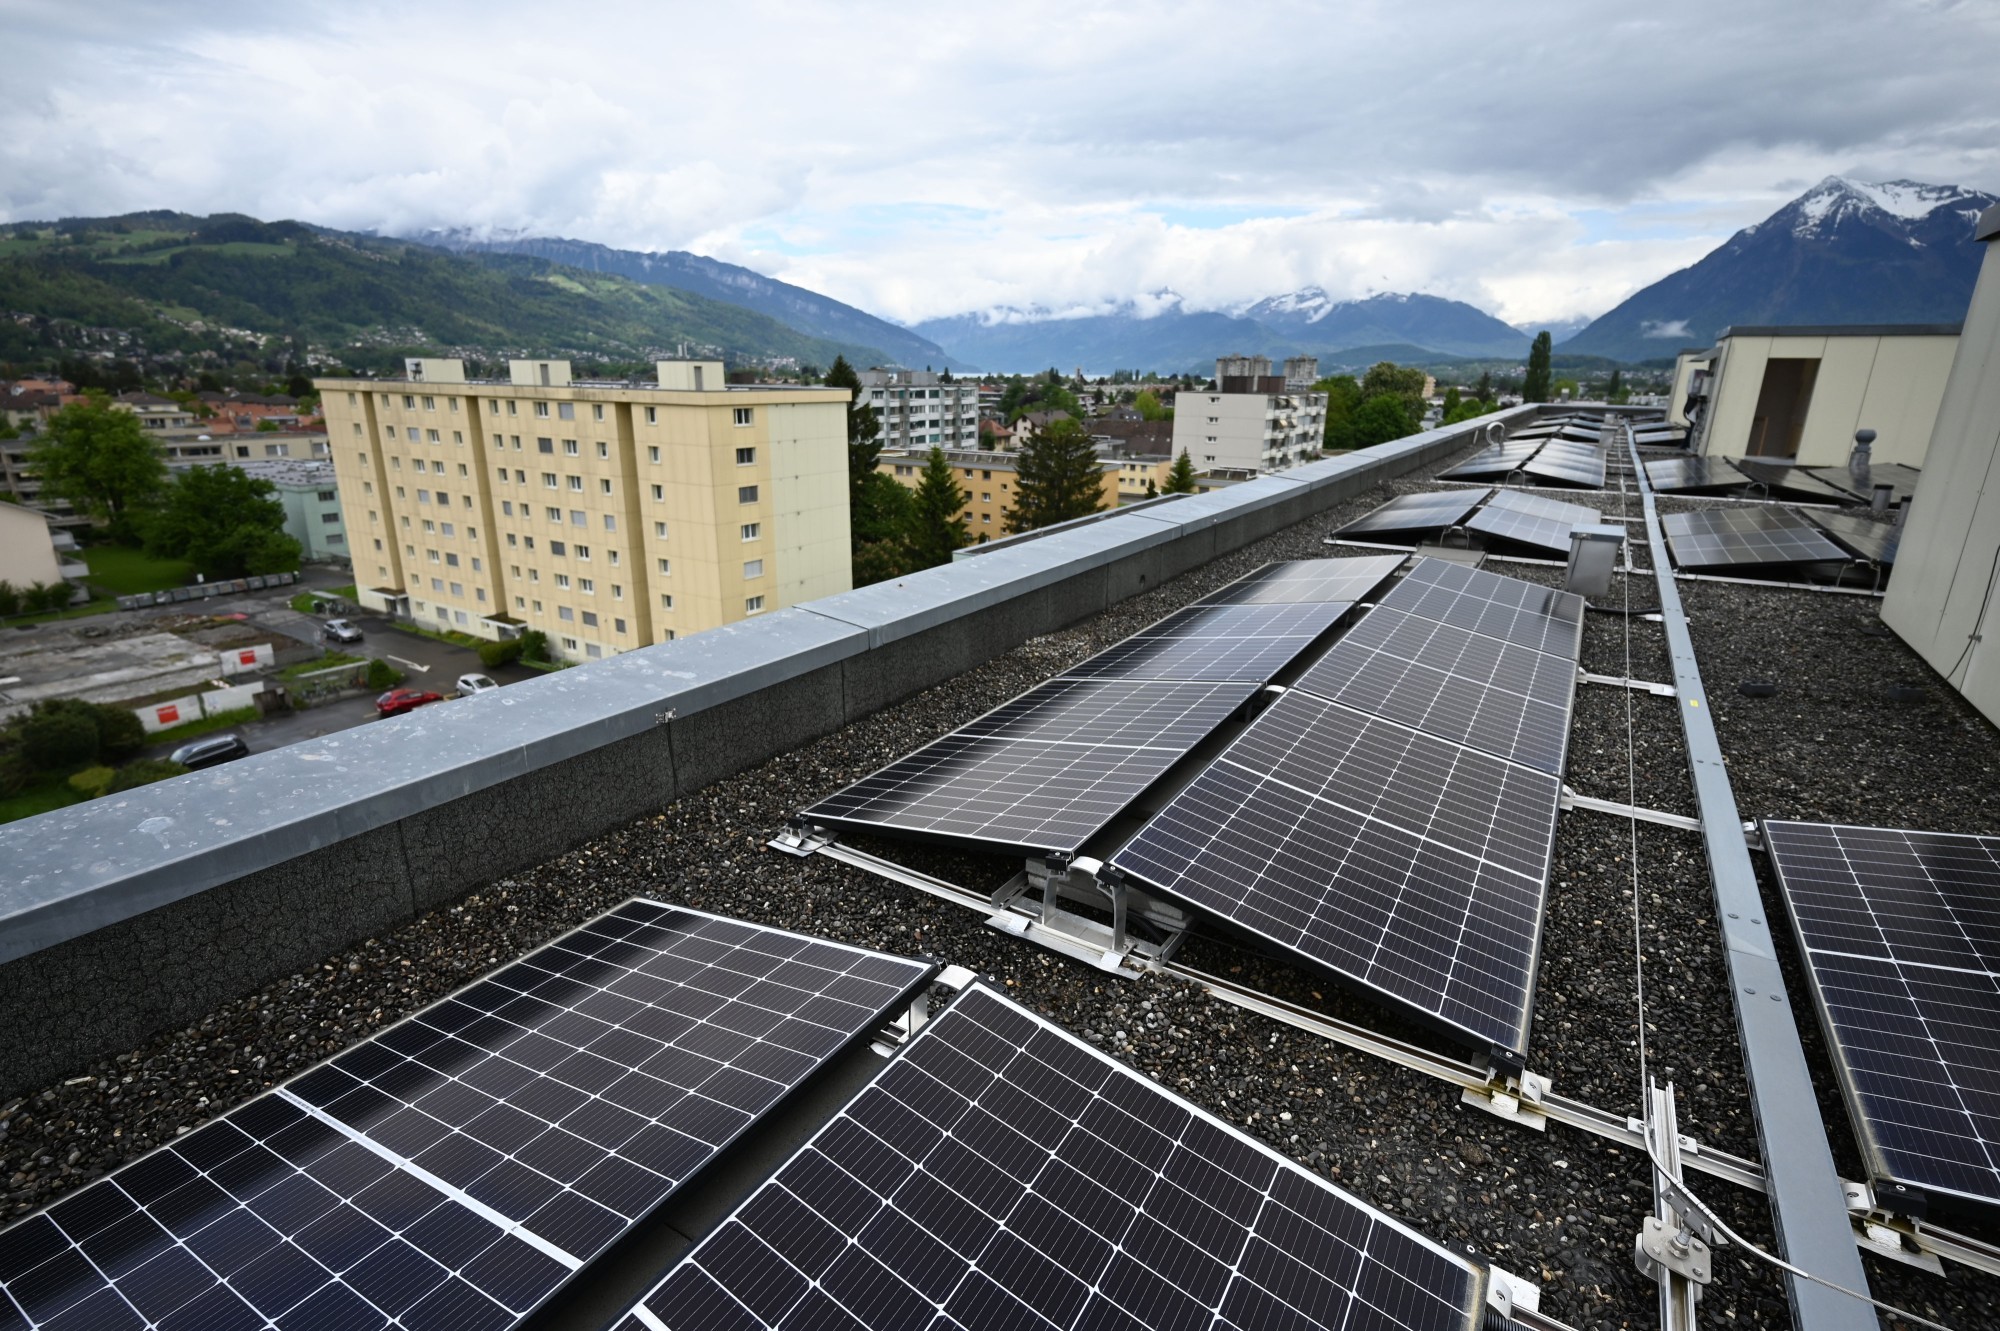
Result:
1572,463
1532,520
1568,454
1903,479
1499,460
1001,1173
1863,537
1694,474
1398,830
454,1170
1749,535
1417,514
1785,479
1901,936
1050,769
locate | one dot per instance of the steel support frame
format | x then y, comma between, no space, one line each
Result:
1808,1201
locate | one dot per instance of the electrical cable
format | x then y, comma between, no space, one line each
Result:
1978,619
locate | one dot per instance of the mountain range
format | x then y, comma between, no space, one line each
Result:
1844,252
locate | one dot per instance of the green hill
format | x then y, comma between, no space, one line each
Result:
175,283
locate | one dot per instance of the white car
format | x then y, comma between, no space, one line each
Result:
470,684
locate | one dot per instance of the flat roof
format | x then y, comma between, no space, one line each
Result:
1839,330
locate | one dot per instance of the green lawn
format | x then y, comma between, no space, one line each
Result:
121,570
38,796
303,602
327,662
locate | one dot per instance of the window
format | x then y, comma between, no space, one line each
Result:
746,457
569,643
753,568
432,436
610,524
617,592
515,440
667,635
558,549
458,437
437,584
423,496
520,603
597,412
590,619
562,582
436,467
583,552
451,559
569,448
578,518
528,541
746,494
753,605
476,565
535,575
666,566
507,508
511,540
660,530
544,444
666,600
618,626
603,449
327,496
548,480
586,585
458,589
542,409
503,475
575,482
659,493
520,477
566,411
752,530
409,403
985,496
564,612
432,555
395,464
614,558
653,418
603,485
555,514
414,436
743,415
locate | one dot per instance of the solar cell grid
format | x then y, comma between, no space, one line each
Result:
1784,478
1901,935
1045,771
1309,580
1510,701
1430,511
1903,479
1406,863
1000,1173
457,1168
1240,642
1493,461
1864,537
1749,534
1671,474
1486,603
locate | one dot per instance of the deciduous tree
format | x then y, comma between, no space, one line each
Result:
226,522
96,456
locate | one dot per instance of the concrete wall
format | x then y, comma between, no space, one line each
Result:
1940,601
1890,383
141,911
27,549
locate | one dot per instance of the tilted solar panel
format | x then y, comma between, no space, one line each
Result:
1746,535
1531,520
1244,642
1487,603
454,1170
1498,461
1417,514
1308,580
1902,479
1782,478
1690,474
1001,1173
1403,863
1864,537
1510,701
1901,936
1042,773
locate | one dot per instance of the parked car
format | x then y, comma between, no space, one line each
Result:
210,751
339,630
475,684
397,701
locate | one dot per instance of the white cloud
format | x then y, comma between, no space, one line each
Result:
1021,155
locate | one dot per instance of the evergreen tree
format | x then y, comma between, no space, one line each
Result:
937,525
1537,385
1058,478
1484,389
1616,391
1180,477
878,506
1451,400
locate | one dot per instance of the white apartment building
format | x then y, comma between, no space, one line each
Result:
1254,420
918,409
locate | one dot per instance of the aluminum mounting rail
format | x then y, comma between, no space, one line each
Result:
1808,1201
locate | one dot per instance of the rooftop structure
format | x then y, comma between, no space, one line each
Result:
1254,420
606,515
310,492
918,408
1518,1166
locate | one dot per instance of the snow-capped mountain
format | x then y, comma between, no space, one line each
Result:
1844,252
1158,331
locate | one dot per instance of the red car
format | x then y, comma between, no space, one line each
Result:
397,701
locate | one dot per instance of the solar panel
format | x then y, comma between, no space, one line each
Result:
1406,864
1486,603
1691,474
1899,934
1244,642
1584,468
1785,479
1308,580
458,1167
1001,1173
1748,535
1417,513
1904,479
1044,772
1506,700
1863,537
1497,461
1531,520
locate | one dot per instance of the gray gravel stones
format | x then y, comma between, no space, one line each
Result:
1559,1208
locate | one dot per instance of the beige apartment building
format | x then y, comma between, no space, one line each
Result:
607,515
989,480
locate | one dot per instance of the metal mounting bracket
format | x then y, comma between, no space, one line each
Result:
1508,1294
1571,800
1516,1098
1663,1248
1636,685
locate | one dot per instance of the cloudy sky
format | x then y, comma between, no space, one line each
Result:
1541,161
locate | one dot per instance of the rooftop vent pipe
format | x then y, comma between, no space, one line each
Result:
1858,461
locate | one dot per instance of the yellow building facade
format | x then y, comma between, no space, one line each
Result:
990,482
607,515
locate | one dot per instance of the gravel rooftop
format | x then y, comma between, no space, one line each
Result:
1560,1208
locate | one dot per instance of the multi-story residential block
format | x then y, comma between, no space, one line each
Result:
990,481
1254,420
311,497
607,515
918,408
